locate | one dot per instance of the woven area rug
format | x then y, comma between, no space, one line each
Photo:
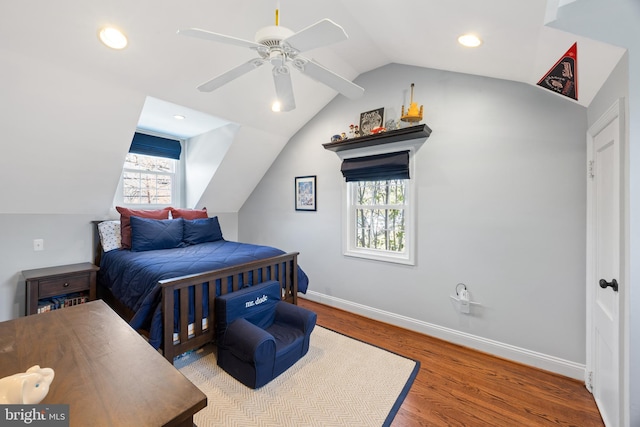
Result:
340,382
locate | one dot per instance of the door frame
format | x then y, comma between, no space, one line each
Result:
617,110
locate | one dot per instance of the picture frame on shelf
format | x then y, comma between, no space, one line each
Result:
305,193
370,120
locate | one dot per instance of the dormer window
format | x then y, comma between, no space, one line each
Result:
151,175
148,180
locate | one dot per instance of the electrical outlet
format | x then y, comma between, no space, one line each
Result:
38,244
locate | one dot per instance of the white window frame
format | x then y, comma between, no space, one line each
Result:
177,182
349,248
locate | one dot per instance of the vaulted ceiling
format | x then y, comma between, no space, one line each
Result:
54,64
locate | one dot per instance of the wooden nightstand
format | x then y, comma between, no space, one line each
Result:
54,283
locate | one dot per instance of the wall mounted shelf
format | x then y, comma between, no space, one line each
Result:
388,137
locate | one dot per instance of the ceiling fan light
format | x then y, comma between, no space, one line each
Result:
469,40
276,106
113,38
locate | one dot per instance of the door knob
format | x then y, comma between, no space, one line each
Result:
613,283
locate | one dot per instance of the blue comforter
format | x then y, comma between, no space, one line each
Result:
133,277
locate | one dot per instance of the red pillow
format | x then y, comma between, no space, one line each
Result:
189,213
125,221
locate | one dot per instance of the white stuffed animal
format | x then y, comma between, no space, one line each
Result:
27,388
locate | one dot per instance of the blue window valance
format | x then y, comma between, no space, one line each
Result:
155,146
380,167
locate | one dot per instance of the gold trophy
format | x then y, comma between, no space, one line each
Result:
414,114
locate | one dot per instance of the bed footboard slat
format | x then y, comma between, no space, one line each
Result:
183,322
198,313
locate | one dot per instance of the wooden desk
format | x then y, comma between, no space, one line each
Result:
107,373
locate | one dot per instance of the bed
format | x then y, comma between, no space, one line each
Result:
164,279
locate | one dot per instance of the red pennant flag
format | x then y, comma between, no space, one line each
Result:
563,76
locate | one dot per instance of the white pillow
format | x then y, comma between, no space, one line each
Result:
110,236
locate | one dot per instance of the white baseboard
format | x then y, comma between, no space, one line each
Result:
506,351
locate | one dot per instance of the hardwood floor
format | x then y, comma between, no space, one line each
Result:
457,386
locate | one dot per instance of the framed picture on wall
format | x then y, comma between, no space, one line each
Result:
305,192
370,120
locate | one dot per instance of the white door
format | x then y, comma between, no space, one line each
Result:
604,268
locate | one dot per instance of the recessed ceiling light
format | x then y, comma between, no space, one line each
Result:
275,107
113,38
179,117
469,40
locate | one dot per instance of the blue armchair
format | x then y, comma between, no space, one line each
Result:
259,336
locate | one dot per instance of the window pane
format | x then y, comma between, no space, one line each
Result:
380,192
148,163
381,229
380,215
146,188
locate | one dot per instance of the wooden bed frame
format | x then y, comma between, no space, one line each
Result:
283,268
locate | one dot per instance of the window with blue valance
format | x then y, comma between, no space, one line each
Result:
379,167
149,145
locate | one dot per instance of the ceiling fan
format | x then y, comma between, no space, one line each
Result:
281,47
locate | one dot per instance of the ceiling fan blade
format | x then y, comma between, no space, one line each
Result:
284,88
208,35
322,33
327,77
232,74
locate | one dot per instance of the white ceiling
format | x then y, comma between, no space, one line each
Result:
164,117
168,67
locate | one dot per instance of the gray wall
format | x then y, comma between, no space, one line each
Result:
501,207
67,240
